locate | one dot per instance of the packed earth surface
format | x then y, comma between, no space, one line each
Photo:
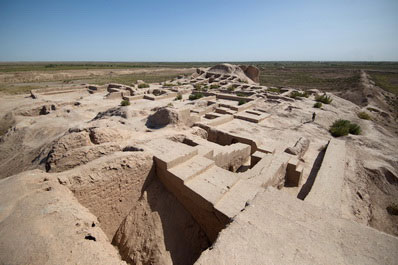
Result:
206,168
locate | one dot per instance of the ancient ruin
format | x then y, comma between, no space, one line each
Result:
208,168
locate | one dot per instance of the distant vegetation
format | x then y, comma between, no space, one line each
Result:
323,99
241,102
285,66
318,105
344,127
297,94
364,115
326,76
386,80
239,94
195,96
179,96
143,85
274,89
125,102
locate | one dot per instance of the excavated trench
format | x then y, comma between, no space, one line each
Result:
141,218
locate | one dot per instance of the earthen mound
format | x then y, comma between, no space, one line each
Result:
165,116
117,112
233,70
252,72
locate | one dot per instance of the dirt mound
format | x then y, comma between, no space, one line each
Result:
234,70
6,122
252,72
43,218
170,116
79,147
162,117
114,112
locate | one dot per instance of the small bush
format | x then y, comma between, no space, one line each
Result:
198,87
324,99
274,89
125,102
214,86
241,102
364,115
195,96
179,96
344,127
355,129
241,94
318,105
297,94
231,88
143,85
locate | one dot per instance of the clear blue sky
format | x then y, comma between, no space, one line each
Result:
201,30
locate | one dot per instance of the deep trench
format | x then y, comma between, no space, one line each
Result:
156,229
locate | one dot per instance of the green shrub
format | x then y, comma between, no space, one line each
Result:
214,86
231,88
178,97
143,85
241,102
344,127
340,128
355,129
297,94
125,102
318,105
324,99
364,115
241,94
274,89
195,96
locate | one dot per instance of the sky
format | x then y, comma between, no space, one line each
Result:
201,30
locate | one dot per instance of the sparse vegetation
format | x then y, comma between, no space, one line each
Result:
239,94
168,85
195,96
231,88
178,97
318,105
323,99
143,85
125,102
201,87
298,94
274,89
364,115
241,102
344,127
355,129
386,80
214,86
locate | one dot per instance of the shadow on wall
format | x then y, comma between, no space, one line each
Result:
306,188
158,229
